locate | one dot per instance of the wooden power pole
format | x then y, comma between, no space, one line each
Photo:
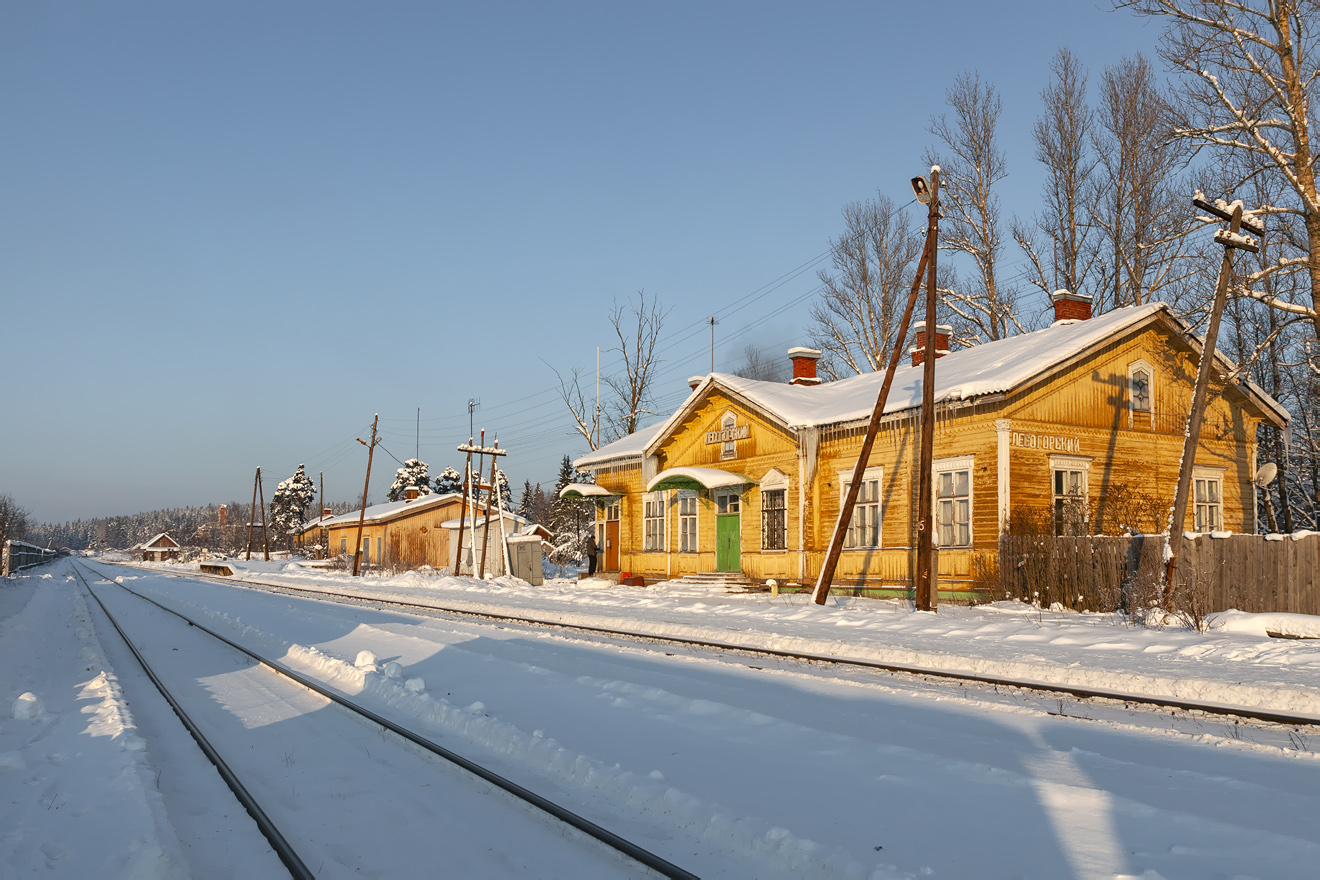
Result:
826,576
265,537
252,513
1230,238
925,587
362,517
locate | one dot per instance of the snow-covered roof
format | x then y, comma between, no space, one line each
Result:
389,510
625,447
585,490
151,545
696,478
481,521
989,369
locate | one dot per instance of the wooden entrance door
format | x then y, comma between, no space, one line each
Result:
610,546
728,532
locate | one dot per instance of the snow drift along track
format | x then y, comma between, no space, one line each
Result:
285,851
1043,687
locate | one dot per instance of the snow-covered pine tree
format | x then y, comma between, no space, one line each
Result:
506,493
413,473
449,482
570,519
525,502
288,506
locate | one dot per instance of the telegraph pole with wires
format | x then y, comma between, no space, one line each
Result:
711,320
826,576
366,487
925,587
1231,238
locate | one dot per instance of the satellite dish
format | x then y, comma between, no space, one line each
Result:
1266,473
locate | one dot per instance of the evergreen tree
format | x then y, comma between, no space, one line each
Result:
449,482
525,503
413,473
570,520
288,506
506,493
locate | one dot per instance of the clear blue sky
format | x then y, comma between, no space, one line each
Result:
230,233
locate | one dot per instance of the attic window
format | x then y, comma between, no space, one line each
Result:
730,448
1140,393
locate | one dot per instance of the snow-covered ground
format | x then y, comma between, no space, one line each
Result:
725,765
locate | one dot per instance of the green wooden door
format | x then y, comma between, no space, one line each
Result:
728,533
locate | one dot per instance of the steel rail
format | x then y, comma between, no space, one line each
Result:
1244,712
586,826
297,868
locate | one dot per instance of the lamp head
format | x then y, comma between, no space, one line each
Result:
921,189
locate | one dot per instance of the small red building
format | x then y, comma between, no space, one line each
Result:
160,548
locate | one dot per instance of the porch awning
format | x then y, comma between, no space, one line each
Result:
696,478
585,490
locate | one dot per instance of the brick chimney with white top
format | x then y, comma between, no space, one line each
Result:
1069,306
410,493
804,366
918,351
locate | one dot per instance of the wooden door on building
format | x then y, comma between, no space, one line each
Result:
728,532
611,542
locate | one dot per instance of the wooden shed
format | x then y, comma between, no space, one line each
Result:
1078,426
160,548
398,534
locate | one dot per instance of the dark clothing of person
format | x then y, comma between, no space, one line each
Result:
591,550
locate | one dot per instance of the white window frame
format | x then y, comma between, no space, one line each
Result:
865,508
1202,479
1070,464
687,498
729,449
774,481
653,521
948,466
1141,366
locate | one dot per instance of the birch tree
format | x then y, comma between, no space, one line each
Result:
864,292
1057,241
1140,205
637,326
971,164
1248,67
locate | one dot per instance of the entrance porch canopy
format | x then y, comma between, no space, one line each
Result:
697,478
585,490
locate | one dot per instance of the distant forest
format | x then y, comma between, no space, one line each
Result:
194,526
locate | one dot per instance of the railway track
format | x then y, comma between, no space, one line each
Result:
1048,689
278,840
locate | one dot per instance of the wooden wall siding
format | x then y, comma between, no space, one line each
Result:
408,542
1243,572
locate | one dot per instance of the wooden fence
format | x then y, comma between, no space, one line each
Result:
1246,572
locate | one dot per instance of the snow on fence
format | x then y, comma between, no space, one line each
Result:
1259,573
19,555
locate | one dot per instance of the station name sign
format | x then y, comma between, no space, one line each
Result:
1048,442
741,432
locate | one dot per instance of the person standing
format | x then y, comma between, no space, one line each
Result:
591,550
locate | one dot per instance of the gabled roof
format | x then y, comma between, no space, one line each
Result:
390,510
986,370
152,544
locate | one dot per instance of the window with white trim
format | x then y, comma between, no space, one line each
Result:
730,448
687,521
1069,483
953,501
1140,391
1208,499
864,528
653,521
774,519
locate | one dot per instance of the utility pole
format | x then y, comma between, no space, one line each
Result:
925,588
1230,238
252,513
713,322
826,577
474,474
362,517
265,539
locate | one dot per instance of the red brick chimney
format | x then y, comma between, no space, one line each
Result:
1069,306
804,366
694,381
918,351
410,494
325,513
224,510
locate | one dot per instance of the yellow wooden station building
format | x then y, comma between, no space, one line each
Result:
1066,426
